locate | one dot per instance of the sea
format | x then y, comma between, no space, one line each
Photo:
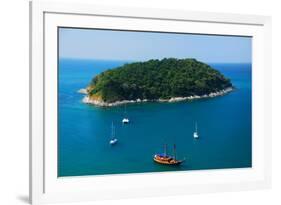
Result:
84,131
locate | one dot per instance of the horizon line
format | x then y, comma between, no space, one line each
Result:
131,60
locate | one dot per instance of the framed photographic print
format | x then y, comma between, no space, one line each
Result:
130,102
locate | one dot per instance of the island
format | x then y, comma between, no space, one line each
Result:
166,80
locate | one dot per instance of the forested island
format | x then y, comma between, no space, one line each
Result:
166,80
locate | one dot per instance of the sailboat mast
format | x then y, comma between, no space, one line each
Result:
196,127
112,131
175,154
165,150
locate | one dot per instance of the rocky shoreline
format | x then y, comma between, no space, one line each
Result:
87,99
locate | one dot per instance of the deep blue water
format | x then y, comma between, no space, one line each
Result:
224,126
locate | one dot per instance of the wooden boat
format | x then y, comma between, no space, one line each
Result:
166,159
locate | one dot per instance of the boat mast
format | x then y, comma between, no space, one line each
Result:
196,127
165,150
175,155
112,131
125,112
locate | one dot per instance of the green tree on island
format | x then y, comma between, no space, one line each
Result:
157,79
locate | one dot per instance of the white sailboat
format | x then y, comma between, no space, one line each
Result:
125,119
113,139
195,134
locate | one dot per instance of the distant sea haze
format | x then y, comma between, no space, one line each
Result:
224,126
120,62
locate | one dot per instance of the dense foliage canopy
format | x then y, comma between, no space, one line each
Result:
157,79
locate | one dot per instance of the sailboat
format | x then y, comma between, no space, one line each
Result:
113,140
195,134
166,159
125,119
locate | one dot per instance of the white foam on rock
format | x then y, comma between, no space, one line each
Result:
101,103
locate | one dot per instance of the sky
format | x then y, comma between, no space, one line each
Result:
142,46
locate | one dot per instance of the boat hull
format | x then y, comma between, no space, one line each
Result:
125,121
113,141
167,160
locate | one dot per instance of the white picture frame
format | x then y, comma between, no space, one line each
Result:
46,187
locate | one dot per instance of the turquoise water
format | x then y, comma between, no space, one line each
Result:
224,126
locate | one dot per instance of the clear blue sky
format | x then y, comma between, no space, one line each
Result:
140,46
